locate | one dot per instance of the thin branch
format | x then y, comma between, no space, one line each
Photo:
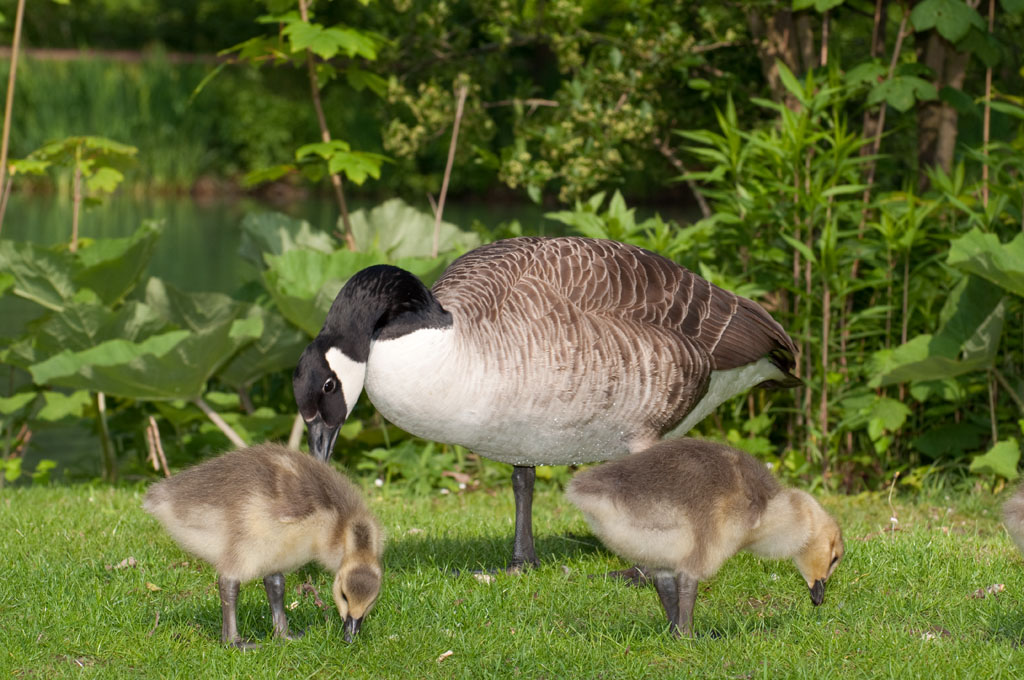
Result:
76,206
1009,389
9,103
325,136
219,422
459,107
823,58
156,448
661,144
109,461
533,103
988,112
698,49
295,436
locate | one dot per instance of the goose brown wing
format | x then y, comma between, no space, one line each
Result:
615,281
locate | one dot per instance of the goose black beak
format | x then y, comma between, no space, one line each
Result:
321,438
818,592
352,627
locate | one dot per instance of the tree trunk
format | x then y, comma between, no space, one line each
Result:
936,120
787,37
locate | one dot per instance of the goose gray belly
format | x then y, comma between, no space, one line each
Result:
436,387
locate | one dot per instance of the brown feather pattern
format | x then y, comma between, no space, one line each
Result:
650,329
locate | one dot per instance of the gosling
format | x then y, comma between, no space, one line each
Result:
1013,516
265,510
683,507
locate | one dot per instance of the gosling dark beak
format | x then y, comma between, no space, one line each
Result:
352,627
818,592
321,438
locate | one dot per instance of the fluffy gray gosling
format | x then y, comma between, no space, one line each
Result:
683,507
266,510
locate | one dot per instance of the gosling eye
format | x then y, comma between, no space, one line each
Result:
330,385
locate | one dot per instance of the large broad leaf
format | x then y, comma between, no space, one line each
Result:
400,230
173,365
41,275
900,92
983,255
304,283
51,277
966,342
277,348
112,267
193,311
166,349
1001,460
276,233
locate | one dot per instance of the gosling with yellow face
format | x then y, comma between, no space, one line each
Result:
683,507
265,510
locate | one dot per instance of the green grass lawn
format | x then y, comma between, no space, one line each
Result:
900,605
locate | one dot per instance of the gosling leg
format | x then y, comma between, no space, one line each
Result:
665,584
523,553
228,589
686,588
274,585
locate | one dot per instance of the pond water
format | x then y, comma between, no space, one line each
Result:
198,250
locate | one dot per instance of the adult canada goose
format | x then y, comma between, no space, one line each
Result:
265,510
538,351
683,507
1013,516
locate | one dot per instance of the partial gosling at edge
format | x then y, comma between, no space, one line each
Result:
265,510
1013,517
683,507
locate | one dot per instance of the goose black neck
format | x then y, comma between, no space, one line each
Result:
381,302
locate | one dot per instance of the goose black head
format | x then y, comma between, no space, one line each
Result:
327,383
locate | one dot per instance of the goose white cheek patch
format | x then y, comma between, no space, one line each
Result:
349,373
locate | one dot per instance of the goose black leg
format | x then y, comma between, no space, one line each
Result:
274,585
228,589
523,553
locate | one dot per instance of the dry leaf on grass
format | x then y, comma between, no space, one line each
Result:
444,656
153,586
982,593
123,564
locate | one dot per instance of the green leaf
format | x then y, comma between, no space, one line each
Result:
16,402
1000,460
357,165
271,174
6,281
322,149
800,247
900,92
112,267
967,342
360,79
277,348
304,283
275,233
983,45
58,405
41,475
1012,6
104,180
399,230
1008,108
951,18
870,72
40,274
109,353
983,255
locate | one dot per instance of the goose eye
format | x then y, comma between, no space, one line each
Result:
330,386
